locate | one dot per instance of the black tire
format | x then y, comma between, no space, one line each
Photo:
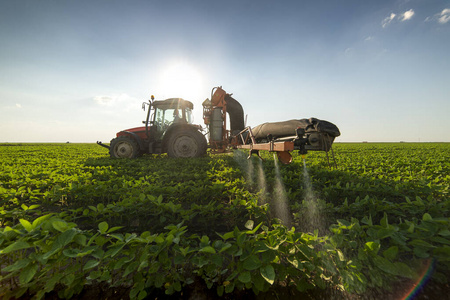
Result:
186,143
124,147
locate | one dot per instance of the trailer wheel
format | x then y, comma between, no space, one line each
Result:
186,143
124,147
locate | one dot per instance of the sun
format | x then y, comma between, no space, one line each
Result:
181,80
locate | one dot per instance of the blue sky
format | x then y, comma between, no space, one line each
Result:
79,70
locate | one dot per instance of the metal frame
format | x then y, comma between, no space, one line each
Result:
282,147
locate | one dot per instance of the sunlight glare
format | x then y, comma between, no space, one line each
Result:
182,80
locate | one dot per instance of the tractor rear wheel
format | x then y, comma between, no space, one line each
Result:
186,143
124,147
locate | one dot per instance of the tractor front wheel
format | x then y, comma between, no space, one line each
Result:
124,147
186,143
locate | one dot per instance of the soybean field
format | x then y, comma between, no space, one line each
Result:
76,224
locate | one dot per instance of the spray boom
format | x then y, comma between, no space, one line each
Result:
305,135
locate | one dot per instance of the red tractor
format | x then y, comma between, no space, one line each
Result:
168,129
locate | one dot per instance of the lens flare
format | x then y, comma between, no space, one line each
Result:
423,279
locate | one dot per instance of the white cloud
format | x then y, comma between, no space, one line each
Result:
369,38
103,100
388,20
18,105
113,100
444,16
407,15
117,102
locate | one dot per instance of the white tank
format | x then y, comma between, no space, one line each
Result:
216,126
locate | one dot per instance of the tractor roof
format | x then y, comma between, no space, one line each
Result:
173,103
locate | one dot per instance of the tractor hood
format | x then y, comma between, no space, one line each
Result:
135,130
139,131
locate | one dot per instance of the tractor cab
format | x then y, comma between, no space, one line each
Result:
167,113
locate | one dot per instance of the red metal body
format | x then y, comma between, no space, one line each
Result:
140,131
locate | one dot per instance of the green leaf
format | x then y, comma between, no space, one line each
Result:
60,225
384,221
241,239
258,282
131,267
336,240
41,219
52,281
33,206
27,225
71,252
367,220
159,281
20,264
249,224
421,243
229,287
112,229
217,260
62,240
208,249
28,273
252,263
443,253
268,256
95,274
372,247
391,253
114,250
91,264
225,247
15,246
220,290
385,232
65,237
103,227
385,265
68,279
340,255
268,273
427,217
227,235
204,239
421,252
404,270
80,239
245,277
100,207
444,232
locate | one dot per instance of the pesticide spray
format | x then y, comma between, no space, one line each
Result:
312,218
279,199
